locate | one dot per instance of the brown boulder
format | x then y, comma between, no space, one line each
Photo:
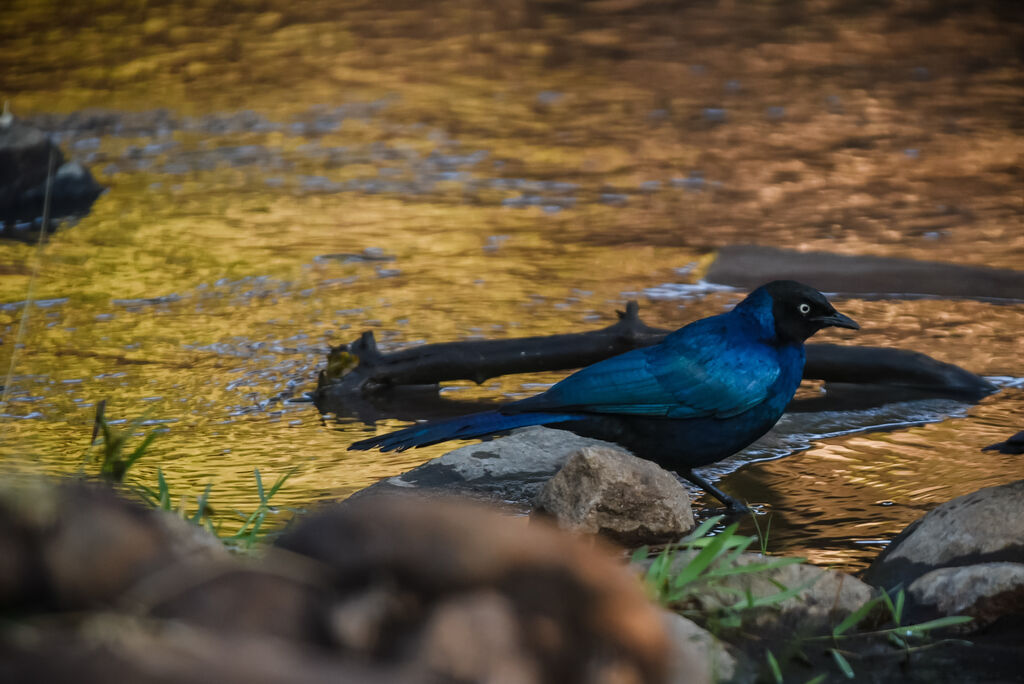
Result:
76,544
608,491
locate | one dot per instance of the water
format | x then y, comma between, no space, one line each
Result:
513,170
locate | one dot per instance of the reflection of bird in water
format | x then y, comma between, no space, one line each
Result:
703,393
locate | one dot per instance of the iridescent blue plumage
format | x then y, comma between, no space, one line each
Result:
704,392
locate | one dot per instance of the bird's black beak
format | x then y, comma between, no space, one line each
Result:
837,320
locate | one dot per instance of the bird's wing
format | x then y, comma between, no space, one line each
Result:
702,370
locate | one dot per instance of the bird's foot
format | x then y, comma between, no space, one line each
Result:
732,506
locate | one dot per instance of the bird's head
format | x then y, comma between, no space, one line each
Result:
800,311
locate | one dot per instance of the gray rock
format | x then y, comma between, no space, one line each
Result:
986,526
696,656
609,491
24,159
986,591
74,190
511,468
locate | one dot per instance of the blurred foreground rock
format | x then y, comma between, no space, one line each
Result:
407,589
77,546
382,589
104,647
965,557
611,492
469,594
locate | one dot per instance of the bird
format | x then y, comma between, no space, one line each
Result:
703,393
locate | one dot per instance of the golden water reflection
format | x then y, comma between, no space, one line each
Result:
529,167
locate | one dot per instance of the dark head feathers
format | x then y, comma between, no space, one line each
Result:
800,311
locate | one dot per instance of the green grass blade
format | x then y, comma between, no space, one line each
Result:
703,559
762,537
856,616
640,554
137,454
817,680
658,570
842,663
259,486
937,623
743,543
773,664
277,485
148,495
775,599
201,503
754,567
898,641
254,534
702,529
164,491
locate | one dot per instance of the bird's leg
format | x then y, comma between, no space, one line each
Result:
732,504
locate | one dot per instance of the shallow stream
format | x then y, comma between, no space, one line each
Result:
281,180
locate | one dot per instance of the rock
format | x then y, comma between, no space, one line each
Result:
24,160
429,581
73,545
282,599
1013,445
25,155
509,469
609,491
827,596
115,648
748,266
187,540
73,192
986,526
985,591
477,638
696,655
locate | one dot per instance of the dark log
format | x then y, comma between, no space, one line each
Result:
747,266
358,371
883,366
480,360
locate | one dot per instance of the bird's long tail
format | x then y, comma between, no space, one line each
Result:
463,427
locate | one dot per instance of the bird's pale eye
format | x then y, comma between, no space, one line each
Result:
804,308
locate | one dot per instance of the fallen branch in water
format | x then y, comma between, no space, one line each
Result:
360,369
